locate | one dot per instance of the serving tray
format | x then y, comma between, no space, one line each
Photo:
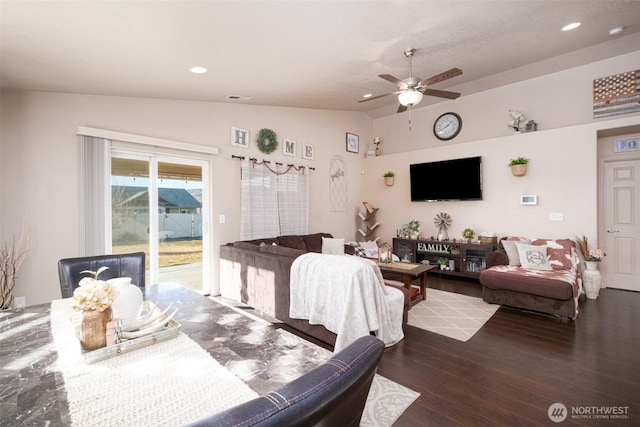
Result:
170,330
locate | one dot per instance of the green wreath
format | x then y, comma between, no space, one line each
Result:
267,141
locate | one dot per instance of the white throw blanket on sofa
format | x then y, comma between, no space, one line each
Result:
347,295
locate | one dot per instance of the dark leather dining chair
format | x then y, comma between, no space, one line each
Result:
333,394
120,265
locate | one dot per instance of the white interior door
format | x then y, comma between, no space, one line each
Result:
621,203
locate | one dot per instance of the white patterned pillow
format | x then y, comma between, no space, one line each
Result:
370,248
512,251
533,256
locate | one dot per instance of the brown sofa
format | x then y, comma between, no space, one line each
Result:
553,291
257,273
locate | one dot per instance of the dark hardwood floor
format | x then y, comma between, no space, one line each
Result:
520,363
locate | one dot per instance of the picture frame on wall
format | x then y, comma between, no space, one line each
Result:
289,147
239,137
307,152
353,143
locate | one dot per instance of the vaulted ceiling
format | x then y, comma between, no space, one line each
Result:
304,54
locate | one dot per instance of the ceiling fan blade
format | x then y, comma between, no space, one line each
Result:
377,97
454,72
441,93
402,108
394,80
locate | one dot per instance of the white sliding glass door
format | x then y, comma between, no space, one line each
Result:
160,205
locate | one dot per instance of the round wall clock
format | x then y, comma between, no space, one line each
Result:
447,126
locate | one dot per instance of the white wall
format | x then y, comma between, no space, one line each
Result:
554,101
562,172
39,170
563,153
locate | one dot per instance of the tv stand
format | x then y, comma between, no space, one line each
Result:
469,259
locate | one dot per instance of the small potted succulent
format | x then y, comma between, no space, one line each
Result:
388,178
519,166
443,263
414,228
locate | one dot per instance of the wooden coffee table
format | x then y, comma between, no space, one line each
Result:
408,273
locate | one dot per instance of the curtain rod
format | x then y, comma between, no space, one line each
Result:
269,161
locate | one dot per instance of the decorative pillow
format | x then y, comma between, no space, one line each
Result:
266,241
533,256
370,248
512,250
559,252
358,249
313,242
332,246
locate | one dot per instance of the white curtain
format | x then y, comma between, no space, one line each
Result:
275,200
95,195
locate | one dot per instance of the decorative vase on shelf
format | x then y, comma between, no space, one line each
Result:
591,280
128,303
93,328
414,234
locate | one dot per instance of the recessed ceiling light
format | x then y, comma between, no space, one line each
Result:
367,95
616,31
198,70
571,26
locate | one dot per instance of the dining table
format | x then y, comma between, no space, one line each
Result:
33,389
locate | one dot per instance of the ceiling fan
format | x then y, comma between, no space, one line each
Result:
411,89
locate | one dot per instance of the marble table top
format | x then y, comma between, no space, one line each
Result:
32,391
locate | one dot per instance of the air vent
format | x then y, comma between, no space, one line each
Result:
239,98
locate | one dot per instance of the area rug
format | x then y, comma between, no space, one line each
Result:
283,357
387,400
452,315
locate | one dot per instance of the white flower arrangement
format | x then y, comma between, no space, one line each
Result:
516,118
94,294
595,255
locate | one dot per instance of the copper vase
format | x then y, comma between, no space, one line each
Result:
93,328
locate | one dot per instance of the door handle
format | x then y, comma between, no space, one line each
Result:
612,231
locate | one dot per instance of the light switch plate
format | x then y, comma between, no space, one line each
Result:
556,216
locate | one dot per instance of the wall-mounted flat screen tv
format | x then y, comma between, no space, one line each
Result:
456,179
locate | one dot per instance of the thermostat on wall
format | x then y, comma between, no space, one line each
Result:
529,200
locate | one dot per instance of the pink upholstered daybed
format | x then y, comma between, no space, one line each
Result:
551,285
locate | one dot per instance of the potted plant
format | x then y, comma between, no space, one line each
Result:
468,234
442,262
388,178
516,118
519,166
414,228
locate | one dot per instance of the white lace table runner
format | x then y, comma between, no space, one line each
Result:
167,384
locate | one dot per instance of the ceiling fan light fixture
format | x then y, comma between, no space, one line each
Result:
410,97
